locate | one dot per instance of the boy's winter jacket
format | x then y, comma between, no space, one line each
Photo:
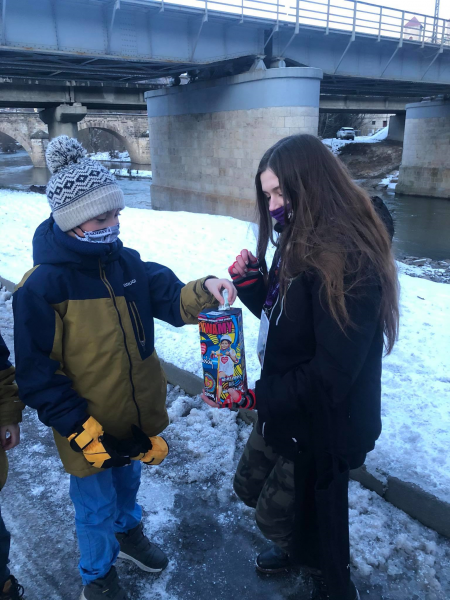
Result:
85,336
10,405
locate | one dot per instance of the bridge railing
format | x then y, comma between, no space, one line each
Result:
336,16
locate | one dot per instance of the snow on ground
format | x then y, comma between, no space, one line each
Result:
121,156
388,181
121,172
416,378
131,173
335,145
190,509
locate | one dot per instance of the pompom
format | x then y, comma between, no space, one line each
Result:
62,152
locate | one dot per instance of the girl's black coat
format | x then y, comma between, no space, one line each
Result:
318,402
311,366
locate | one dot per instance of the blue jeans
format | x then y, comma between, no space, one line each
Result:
105,503
4,553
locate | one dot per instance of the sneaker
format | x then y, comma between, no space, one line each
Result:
136,547
273,560
12,590
105,588
320,591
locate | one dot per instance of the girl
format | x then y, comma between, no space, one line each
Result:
326,305
85,359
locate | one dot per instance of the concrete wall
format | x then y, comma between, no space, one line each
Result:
425,169
373,122
206,140
397,128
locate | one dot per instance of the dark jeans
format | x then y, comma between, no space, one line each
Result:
4,552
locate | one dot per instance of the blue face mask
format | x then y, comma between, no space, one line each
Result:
108,235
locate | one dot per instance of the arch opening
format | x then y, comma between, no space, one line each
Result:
13,145
104,143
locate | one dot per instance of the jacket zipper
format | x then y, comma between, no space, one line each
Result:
138,324
113,298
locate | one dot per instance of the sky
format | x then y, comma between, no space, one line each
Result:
424,7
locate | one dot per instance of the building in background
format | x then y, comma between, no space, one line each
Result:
372,123
413,30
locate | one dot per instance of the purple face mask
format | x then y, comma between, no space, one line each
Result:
278,215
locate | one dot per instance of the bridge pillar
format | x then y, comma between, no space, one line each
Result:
397,128
139,149
425,168
63,119
39,142
207,138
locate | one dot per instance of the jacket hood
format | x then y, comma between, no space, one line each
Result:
53,246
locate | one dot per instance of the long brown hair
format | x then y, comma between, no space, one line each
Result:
331,228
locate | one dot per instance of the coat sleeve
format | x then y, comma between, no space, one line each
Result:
174,302
10,405
338,359
39,370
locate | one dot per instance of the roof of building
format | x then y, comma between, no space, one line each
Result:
414,23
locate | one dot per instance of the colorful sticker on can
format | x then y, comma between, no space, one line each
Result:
223,354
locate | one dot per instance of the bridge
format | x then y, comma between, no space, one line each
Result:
32,134
258,69
29,131
360,47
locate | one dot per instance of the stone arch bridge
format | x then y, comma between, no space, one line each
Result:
28,130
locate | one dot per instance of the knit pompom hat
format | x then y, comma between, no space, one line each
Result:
80,189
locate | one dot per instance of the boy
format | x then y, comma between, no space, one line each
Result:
10,417
86,359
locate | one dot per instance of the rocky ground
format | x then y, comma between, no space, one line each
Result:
426,268
372,162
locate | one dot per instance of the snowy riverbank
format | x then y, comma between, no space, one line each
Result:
416,379
110,156
132,173
335,144
121,157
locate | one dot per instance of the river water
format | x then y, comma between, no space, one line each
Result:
422,224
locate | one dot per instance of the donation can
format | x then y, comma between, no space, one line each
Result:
223,352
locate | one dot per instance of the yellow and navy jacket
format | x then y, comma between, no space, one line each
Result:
84,336
10,405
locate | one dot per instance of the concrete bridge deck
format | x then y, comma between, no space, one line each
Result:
135,40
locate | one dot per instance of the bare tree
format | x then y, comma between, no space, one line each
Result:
329,123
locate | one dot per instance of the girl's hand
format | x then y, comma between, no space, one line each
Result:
209,402
215,286
240,267
235,396
10,442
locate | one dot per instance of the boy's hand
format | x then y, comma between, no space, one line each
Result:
88,439
11,441
151,450
215,286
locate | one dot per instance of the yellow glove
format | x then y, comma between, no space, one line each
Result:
152,450
101,450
